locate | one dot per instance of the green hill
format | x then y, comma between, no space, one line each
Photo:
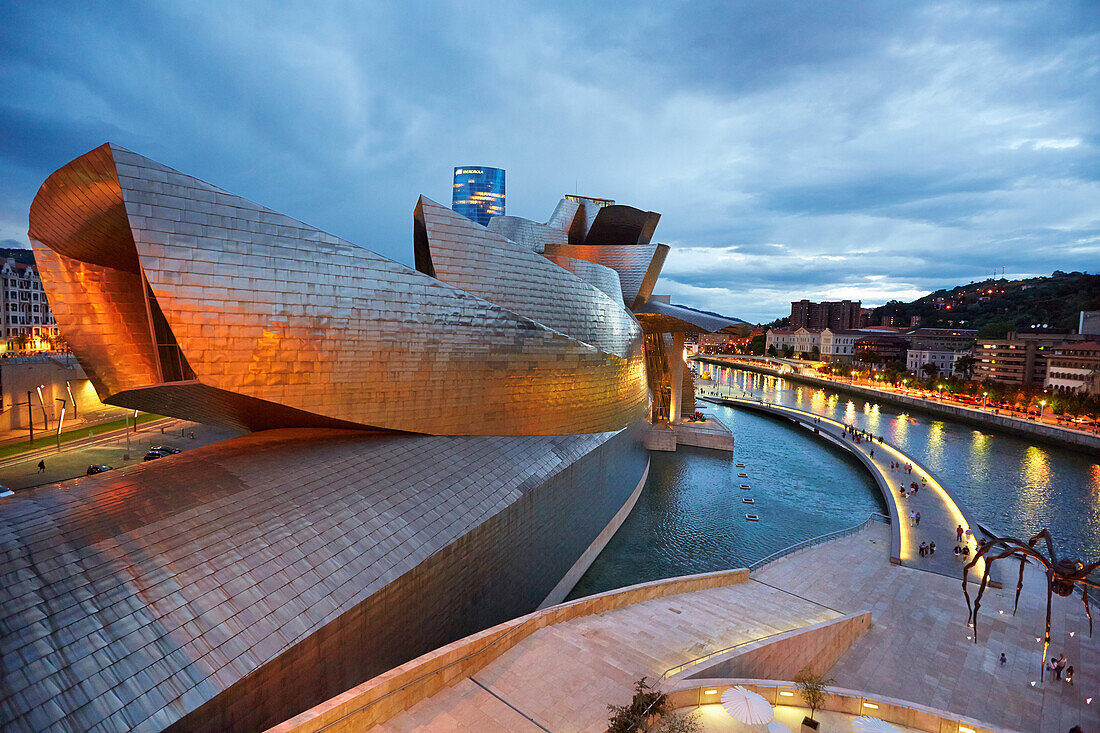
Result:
995,307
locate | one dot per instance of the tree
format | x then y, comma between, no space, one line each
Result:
815,352
771,351
756,346
930,370
649,711
965,364
788,352
812,686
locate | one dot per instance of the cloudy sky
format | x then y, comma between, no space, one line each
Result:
869,150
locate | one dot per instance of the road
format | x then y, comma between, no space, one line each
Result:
21,472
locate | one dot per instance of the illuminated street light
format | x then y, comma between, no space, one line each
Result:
984,395
1042,404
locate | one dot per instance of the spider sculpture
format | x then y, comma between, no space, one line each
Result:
1062,576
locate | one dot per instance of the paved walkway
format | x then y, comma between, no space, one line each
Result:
561,678
940,515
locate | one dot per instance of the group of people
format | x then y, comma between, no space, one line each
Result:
896,466
1057,665
927,548
906,493
859,435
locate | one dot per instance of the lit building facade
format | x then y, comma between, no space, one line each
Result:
944,361
26,321
478,193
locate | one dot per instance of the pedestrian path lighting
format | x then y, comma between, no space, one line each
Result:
1063,575
1042,404
984,395
940,388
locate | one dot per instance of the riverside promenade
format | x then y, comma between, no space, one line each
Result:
940,514
1053,434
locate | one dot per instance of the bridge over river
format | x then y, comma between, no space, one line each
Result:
940,514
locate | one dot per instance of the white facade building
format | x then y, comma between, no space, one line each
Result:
24,310
803,341
915,359
839,346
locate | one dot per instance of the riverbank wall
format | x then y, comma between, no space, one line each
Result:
1020,428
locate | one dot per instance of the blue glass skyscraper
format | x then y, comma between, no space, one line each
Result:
478,193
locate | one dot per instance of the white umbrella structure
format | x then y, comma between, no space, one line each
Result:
776,727
745,706
867,724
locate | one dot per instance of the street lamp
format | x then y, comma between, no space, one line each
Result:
940,388
984,395
1042,404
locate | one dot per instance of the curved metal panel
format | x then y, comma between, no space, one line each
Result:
529,234
486,264
619,224
234,585
269,308
664,317
103,314
604,278
80,211
638,266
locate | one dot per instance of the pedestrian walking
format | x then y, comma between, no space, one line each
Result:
1060,664
1069,675
872,453
912,518
1004,659
958,551
41,466
959,533
918,519
932,547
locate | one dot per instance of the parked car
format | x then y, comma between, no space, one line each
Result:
6,492
155,454
97,468
165,449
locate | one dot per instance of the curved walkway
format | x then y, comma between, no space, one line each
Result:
940,514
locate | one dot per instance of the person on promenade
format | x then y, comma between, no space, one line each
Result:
1069,675
932,547
966,552
41,466
958,551
872,453
912,518
923,549
923,481
917,523
1060,664
1004,659
959,533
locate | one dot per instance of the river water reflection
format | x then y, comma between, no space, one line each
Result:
1009,484
690,518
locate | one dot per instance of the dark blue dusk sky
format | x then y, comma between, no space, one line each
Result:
869,150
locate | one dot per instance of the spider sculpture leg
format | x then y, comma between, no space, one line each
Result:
1019,584
1085,597
1046,639
985,582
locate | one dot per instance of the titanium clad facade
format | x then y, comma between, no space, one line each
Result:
478,193
638,265
235,585
271,320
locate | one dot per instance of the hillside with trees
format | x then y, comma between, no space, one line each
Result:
995,307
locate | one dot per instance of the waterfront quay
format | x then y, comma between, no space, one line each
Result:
558,669
940,514
1052,434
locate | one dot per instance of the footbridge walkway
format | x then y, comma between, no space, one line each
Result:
940,514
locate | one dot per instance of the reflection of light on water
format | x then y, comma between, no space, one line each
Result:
1036,469
850,412
1035,474
935,441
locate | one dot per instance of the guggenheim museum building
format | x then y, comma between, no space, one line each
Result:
430,450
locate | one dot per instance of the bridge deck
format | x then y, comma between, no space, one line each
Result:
940,514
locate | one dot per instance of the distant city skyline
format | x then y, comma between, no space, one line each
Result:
855,151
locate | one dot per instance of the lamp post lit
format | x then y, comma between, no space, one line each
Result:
984,395
940,388
1042,404
60,422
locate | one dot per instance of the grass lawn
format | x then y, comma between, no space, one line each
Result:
46,439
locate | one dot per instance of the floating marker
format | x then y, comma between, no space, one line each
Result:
740,465
742,475
752,518
748,500
746,487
